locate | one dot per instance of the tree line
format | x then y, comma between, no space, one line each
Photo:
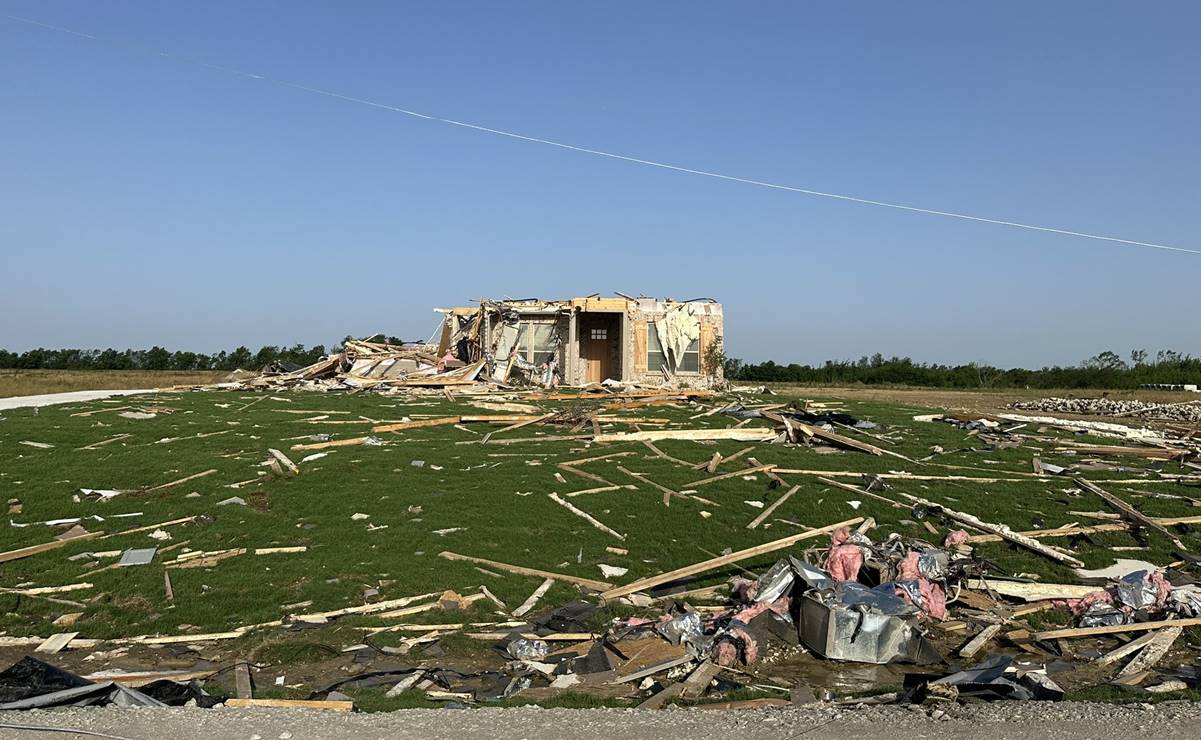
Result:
159,358
1105,370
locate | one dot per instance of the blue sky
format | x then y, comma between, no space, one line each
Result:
148,201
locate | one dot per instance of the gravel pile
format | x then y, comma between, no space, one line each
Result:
1189,411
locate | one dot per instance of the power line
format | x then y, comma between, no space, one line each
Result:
614,155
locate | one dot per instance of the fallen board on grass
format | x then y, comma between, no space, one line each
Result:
520,570
751,434
720,561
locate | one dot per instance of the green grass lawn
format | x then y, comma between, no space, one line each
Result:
495,496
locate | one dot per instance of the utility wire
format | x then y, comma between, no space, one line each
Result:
614,155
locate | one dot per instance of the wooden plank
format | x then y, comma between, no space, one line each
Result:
727,476
521,570
583,474
585,516
25,552
979,641
174,483
699,679
652,670
284,460
1096,528
1031,591
167,589
147,528
1115,629
1128,512
1154,652
745,434
55,643
242,683
333,443
1122,651
721,561
534,597
640,345
772,507
1005,533
141,678
333,706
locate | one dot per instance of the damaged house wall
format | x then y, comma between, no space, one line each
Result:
590,339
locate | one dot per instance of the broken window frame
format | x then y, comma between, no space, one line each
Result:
656,356
536,349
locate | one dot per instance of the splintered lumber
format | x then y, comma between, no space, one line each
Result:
585,516
242,682
582,473
1093,529
168,590
1032,591
553,637
182,480
140,678
1115,629
400,426
378,606
653,669
525,422
979,641
1122,651
726,476
745,434
25,552
599,489
104,442
1152,653
1153,453
521,570
333,706
332,443
721,561
205,559
583,460
1004,532
1129,513
699,679
660,453
860,491
138,530
772,507
534,597
284,460
838,439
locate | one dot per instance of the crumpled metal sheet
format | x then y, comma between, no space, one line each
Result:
684,629
776,582
1137,591
854,623
526,649
1101,614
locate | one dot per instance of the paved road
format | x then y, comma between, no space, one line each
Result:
1019,721
50,399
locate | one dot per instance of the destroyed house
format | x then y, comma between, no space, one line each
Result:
589,340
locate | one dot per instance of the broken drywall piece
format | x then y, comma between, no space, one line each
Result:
612,571
234,500
137,556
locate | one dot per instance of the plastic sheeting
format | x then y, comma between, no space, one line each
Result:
677,329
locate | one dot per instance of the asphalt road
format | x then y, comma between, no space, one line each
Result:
998,721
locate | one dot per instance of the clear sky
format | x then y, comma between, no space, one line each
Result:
147,201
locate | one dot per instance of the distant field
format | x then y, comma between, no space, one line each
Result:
35,382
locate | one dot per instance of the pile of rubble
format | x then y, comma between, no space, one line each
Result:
1187,411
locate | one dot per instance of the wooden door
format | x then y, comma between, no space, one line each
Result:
596,354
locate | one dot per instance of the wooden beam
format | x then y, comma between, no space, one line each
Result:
333,706
725,476
521,570
1115,629
25,552
772,507
1128,512
721,561
746,434
585,516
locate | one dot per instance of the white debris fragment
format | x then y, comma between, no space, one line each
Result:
612,571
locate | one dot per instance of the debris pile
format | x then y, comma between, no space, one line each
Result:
1187,411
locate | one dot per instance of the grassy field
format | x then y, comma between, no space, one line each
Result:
34,382
438,488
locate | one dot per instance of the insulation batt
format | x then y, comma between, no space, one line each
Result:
844,559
